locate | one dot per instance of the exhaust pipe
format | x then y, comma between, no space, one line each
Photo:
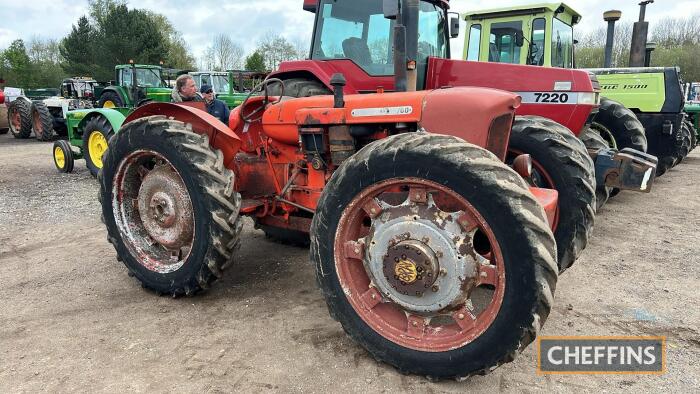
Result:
406,46
640,32
611,17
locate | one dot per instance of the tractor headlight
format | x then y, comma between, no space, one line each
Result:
589,98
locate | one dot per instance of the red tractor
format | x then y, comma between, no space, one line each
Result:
432,253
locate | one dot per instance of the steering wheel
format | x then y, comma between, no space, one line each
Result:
262,87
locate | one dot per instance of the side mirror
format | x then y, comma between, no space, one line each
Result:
519,39
454,27
390,8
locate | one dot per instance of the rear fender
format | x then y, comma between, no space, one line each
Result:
114,117
220,136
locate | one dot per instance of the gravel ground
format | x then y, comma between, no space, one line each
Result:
71,320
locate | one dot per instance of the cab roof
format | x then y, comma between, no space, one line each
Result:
528,9
311,5
120,66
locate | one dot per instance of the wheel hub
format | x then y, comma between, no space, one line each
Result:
416,257
165,208
411,267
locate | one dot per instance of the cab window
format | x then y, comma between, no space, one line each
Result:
536,57
503,42
562,45
474,43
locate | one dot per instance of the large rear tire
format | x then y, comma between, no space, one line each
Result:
594,141
110,99
686,143
96,136
300,87
42,122
19,116
169,205
561,161
440,189
623,124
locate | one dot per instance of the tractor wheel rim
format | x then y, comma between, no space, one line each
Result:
108,104
97,146
38,129
541,178
59,157
426,274
153,211
16,121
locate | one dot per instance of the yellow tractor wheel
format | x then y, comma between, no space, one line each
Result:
63,156
96,135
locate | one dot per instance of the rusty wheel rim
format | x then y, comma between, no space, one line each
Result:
38,129
153,211
15,120
396,233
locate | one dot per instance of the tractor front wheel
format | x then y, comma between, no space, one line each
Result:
96,135
434,256
42,122
560,161
169,205
63,156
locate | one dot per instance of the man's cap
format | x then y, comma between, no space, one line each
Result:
205,89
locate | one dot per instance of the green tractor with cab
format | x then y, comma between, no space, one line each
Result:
231,86
134,85
542,35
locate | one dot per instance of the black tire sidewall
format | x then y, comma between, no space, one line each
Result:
67,154
501,337
111,96
127,142
101,125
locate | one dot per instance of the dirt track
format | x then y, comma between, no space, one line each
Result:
72,320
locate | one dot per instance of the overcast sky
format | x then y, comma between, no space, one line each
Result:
247,20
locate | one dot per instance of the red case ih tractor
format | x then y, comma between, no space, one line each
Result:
431,252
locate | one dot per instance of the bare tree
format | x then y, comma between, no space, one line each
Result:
276,49
225,54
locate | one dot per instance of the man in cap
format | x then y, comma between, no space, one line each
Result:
215,107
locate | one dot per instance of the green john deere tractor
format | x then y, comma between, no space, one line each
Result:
134,85
542,35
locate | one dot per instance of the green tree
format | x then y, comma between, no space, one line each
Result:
17,65
255,62
78,49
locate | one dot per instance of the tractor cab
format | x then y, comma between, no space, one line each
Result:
134,85
536,35
363,32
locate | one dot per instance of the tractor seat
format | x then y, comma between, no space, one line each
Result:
357,50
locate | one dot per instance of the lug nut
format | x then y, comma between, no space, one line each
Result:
460,316
435,288
414,323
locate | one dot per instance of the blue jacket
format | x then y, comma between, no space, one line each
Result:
218,109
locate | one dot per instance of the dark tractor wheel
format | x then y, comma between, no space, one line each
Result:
594,141
433,255
96,135
686,142
169,205
19,116
63,156
110,99
286,236
560,161
42,122
623,124
693,134
300,87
